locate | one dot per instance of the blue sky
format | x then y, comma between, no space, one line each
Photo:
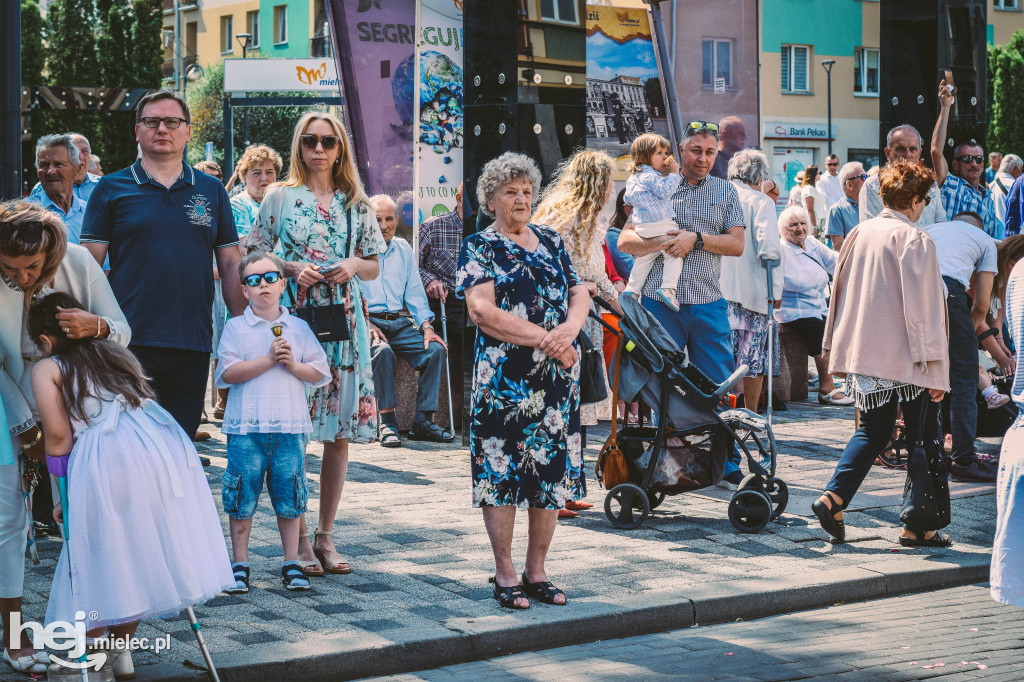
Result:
607,58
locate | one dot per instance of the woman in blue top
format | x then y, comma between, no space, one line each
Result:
529,305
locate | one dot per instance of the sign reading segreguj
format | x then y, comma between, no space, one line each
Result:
439,120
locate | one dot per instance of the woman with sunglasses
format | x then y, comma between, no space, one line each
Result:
886,331
328,234
35,258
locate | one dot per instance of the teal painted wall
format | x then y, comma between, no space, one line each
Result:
832,26
298,29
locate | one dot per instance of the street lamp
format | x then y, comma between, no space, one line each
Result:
827,64
245,39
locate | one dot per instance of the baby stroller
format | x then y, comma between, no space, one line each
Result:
695,427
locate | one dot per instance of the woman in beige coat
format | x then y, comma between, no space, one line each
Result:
886,330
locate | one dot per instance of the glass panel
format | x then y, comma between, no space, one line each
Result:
872,61
567,10
785,67
723,62
707,62
800,69
858,70
547,9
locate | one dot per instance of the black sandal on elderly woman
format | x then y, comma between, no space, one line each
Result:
826,515
508,595
923,539
543,591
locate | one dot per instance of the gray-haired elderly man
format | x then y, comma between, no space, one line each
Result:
1011,167
58,161
400,325
844,214
710,219
85,180
902,142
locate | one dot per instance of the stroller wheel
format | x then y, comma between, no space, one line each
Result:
655,498
626,506
750,510
778,493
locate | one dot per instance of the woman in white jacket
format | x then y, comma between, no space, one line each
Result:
744,279
35,259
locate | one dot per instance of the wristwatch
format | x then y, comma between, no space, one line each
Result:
425,326
699,244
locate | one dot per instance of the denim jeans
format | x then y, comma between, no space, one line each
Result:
703,330
406,341
277,457
962,417
876,427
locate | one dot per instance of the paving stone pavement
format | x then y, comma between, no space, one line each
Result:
421,559
952,634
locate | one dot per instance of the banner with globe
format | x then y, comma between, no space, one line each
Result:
439,119
376,49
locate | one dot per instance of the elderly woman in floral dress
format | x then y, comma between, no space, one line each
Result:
529,305
321,217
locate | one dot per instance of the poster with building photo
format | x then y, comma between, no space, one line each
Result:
624,93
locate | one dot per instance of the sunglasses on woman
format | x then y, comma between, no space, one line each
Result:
269,277
30,232
328,142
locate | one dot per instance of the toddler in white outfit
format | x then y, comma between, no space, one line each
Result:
649,192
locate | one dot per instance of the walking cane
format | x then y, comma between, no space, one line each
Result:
770,264
58,467
447,366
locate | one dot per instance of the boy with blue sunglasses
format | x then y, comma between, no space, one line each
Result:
267,357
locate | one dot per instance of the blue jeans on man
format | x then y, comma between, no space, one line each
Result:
703,329
405,340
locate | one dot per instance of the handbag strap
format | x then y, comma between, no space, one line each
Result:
619,347
350,239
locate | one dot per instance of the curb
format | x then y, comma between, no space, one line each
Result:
462,640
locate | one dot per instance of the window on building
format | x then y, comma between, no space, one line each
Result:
795,59
717,62
865,71
1004,4
227,34
252,25
563,11
280,24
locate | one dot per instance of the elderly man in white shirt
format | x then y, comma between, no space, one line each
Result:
400,325
744,280
1010,168
902,142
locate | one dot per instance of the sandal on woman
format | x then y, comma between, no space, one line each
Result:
831,525
340,568
292,576
310,568
936,540
831,399
576,505
507,596
543,591
34,664
241,571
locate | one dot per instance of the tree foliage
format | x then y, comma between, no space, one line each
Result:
33,59
1006,94
272,126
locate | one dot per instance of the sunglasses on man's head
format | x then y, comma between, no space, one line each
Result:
30,232
328,142
171,122
703,125
254,279
967,158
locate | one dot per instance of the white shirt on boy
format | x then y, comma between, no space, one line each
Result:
275,401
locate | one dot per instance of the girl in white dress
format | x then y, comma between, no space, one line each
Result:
145,537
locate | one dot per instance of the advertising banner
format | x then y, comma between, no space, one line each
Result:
375,46
439,118
280,75
624,93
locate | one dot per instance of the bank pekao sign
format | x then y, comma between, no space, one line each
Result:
284,75
783,130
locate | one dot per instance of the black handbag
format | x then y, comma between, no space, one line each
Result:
593,388
926,493
329,322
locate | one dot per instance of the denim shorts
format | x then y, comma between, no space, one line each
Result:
278,457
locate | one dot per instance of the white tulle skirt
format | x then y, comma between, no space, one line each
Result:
1007,574
145,537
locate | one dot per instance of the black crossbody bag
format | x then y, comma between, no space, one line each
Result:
328,322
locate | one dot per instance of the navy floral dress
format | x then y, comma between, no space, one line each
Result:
525,445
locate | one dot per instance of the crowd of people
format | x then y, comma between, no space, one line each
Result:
117,291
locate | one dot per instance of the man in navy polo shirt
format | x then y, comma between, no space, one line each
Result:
162,222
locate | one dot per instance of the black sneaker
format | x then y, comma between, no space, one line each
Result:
976,471
731,481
